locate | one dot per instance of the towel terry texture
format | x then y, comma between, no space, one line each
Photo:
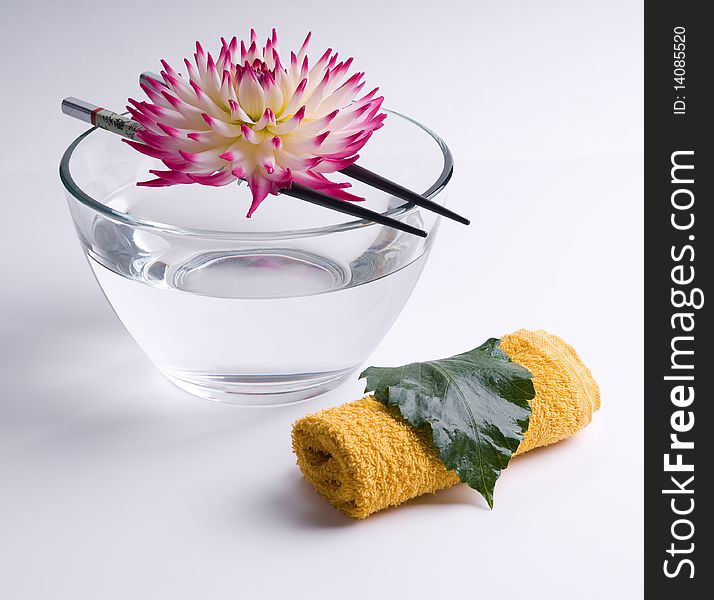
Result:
362,457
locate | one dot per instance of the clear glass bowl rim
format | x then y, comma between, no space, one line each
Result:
73,188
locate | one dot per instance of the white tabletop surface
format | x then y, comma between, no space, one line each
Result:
116,485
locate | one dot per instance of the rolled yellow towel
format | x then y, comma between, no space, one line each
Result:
363,457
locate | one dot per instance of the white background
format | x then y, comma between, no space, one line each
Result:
116,485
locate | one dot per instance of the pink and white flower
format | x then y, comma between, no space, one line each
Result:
247,115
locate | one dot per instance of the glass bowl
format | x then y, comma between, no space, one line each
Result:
273,309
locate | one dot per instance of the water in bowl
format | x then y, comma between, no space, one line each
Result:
246,323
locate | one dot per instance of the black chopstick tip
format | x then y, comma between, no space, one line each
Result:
308,194
413,230
390,187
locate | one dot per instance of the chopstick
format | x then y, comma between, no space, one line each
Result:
382,183
359,173
314,197
122,125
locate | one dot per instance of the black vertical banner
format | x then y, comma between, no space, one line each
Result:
679,167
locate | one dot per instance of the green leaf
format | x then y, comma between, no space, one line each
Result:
476,404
